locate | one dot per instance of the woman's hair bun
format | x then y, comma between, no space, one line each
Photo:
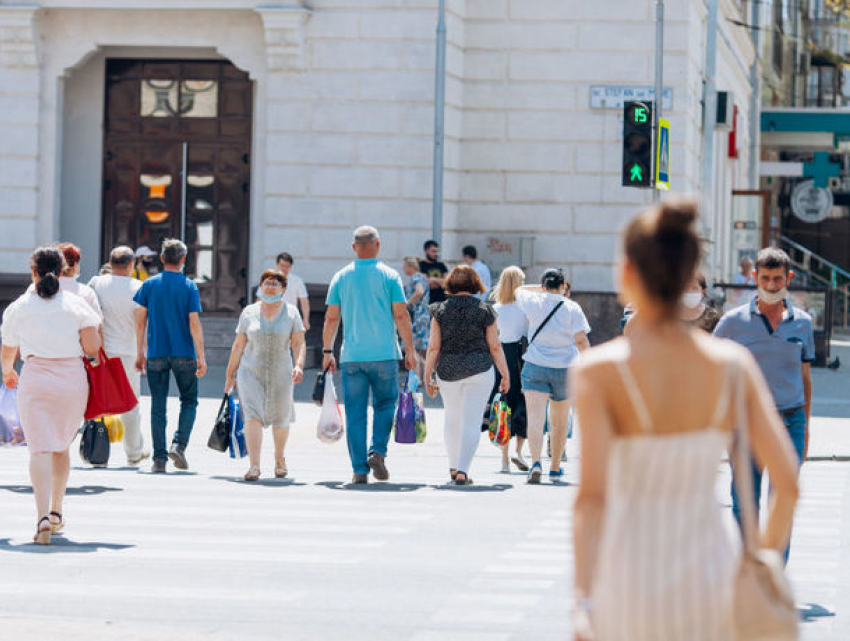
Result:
676,217
48,263
553,278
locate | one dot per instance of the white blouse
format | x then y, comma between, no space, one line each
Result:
512,322
47,327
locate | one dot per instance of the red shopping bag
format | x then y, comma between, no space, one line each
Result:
109,389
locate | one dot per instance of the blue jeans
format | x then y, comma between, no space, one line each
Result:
357,379
795,423
187,383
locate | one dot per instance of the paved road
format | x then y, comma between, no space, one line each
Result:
203,555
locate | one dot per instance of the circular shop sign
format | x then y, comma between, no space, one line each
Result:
809,203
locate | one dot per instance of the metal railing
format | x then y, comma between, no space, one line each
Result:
816,268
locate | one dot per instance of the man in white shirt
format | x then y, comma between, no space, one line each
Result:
115,293
470,257
296,291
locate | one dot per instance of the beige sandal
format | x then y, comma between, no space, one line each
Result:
42,533
253,473
280,470
58,525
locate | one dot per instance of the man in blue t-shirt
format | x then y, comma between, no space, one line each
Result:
781,338
369,298
170,310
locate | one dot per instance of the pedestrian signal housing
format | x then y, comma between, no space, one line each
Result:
637,144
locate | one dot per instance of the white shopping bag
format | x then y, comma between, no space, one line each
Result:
331,426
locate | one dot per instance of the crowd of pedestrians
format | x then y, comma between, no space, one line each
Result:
658,408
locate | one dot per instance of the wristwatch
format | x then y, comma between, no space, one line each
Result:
327,351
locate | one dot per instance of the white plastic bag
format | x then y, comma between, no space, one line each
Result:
331,426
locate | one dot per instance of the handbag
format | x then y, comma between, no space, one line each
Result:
500,422
331,427
419,416
764,607
11,431
115,427
238,447
219,439
109,390
94,443
405,418
319,388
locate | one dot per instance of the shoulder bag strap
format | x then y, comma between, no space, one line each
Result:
742,462
546,320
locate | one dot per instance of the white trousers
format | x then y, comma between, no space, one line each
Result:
464,402
134,443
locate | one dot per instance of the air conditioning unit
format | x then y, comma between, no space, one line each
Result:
725,109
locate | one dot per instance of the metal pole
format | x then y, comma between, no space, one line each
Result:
708,124
439,125
183,179
755,100
659,86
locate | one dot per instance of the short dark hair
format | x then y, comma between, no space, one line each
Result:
274,274
771,258
464,279
429,244
470,251
553,279
172,251
285,257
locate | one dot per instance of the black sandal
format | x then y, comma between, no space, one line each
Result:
42,537
56,527
464,481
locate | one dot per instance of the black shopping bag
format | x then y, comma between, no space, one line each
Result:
94,444
220,436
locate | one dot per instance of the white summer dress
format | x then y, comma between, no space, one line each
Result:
669,551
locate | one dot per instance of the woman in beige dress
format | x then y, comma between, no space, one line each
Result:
52,329
267,334
655,553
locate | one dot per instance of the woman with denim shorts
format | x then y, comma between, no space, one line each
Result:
558,331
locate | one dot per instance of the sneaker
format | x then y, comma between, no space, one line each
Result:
135,460
158,466
376,464
360,479
555,477
517,459
535,473
506,467
177,454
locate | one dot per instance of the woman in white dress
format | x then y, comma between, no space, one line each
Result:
267,334
655,553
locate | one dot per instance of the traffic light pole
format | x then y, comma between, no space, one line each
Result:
659,86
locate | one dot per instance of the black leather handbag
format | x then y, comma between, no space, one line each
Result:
94,443
220,436
319,388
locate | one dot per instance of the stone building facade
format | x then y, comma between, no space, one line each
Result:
284,126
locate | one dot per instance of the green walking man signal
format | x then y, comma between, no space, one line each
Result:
637,144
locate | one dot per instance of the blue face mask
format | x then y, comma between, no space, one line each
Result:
270,299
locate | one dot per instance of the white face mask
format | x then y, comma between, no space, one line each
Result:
691,299
772,298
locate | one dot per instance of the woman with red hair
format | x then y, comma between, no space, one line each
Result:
68,280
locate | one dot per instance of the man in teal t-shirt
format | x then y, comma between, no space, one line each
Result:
369,297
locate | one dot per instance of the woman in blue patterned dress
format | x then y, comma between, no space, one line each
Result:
416,293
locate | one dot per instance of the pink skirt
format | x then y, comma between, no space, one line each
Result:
52,397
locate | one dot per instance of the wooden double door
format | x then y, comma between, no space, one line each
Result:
177,164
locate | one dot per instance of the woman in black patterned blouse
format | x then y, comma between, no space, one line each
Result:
463,349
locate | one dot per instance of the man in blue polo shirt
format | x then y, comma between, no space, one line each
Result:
170,311
781,338
369,297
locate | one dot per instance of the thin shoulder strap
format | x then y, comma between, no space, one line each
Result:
635,396
722,407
